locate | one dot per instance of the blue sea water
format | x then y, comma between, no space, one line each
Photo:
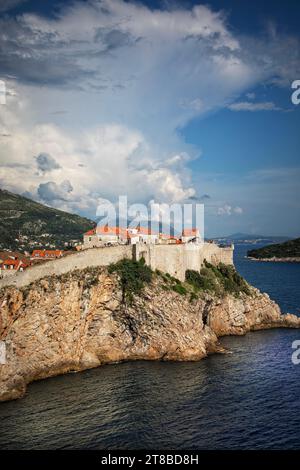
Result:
249,399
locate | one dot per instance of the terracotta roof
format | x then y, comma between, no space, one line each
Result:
190,232
90,232
16,263
106,230
47,253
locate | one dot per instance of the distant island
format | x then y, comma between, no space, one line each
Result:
288,251
250,239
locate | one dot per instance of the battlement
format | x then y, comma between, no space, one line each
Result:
172,259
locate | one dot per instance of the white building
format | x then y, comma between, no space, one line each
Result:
106,236
190,235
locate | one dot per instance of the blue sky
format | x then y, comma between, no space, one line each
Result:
166,101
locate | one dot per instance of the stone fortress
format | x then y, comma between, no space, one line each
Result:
169,256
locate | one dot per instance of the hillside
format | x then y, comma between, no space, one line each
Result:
288,249
25,224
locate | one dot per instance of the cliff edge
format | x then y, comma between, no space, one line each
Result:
86,318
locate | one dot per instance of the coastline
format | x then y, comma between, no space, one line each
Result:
275,259
79,321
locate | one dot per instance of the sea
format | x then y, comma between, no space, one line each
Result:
249,399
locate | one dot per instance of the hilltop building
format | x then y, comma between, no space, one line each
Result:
107,236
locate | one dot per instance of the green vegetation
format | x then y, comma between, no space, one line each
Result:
133,276
289,249
179,288
219,279
25,224
193,297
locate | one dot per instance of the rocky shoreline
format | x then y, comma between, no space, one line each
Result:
275,259
79,320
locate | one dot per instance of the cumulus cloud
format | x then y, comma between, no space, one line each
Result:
46,162
127,77
97,162
51,192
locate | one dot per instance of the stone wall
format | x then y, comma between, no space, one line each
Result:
172,259
81,260
176,259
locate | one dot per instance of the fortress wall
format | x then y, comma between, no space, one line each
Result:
168,259
215,254
81,260
172,259
176,259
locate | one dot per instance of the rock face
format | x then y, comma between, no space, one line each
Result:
79,321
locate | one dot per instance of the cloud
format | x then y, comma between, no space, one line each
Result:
249,106
98,162
51,192
127,78
46,162
227,209
40,50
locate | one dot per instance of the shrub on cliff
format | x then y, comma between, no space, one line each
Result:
219,279
232,281
204,280
133,275
179,288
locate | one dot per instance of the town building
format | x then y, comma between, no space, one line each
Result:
107,236
104,236
12,262
46,254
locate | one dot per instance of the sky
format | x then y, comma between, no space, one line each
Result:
172,102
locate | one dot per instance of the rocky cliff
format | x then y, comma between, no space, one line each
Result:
81,320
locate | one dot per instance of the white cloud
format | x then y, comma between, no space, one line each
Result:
96,161
250,106
227,209
126,77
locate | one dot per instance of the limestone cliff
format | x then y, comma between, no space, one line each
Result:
79,320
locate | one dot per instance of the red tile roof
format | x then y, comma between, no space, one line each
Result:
190,232
90,232
106,230
47,253
16,263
